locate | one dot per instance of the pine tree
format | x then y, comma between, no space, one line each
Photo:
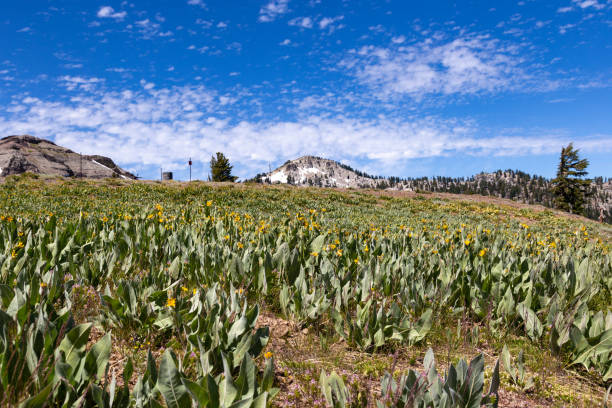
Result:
569,188
221,169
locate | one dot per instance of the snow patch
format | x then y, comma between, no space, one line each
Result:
100,164
280,177
305,172
109,169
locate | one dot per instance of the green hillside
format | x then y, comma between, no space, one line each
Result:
218,294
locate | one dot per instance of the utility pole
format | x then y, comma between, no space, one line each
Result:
81,160
190,163
161,174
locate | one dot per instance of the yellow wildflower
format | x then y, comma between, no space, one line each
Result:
314,254
171,302
209,203
268,355
467,242
43,285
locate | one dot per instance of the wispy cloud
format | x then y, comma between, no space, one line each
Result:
304,22
330,23
164,126
469,64
196,3
109,12
584,4
77,82
148,29
273,9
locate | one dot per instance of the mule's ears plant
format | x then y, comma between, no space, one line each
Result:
462,387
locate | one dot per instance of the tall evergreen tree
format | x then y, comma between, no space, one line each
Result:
569,188
220,168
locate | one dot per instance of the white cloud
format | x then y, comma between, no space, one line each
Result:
149,29
24,30
273,9
398,40
583,4
196,3
154,127
117,70
286,41
204,23
304,22
147,85
77,82
109,12
326,22
467,65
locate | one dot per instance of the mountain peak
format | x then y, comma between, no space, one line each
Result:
316,171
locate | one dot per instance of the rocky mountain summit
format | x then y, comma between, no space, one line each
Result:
316,171
25,153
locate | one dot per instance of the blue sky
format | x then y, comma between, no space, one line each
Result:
391,87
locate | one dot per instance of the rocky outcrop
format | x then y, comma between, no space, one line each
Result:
317,171
25,153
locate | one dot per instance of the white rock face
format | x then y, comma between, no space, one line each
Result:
316,171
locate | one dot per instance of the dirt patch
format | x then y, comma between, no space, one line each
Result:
301,355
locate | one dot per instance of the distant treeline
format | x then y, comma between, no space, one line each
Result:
514,185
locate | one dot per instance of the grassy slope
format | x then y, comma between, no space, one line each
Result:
301,352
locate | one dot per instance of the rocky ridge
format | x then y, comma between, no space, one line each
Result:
25,153
320,172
